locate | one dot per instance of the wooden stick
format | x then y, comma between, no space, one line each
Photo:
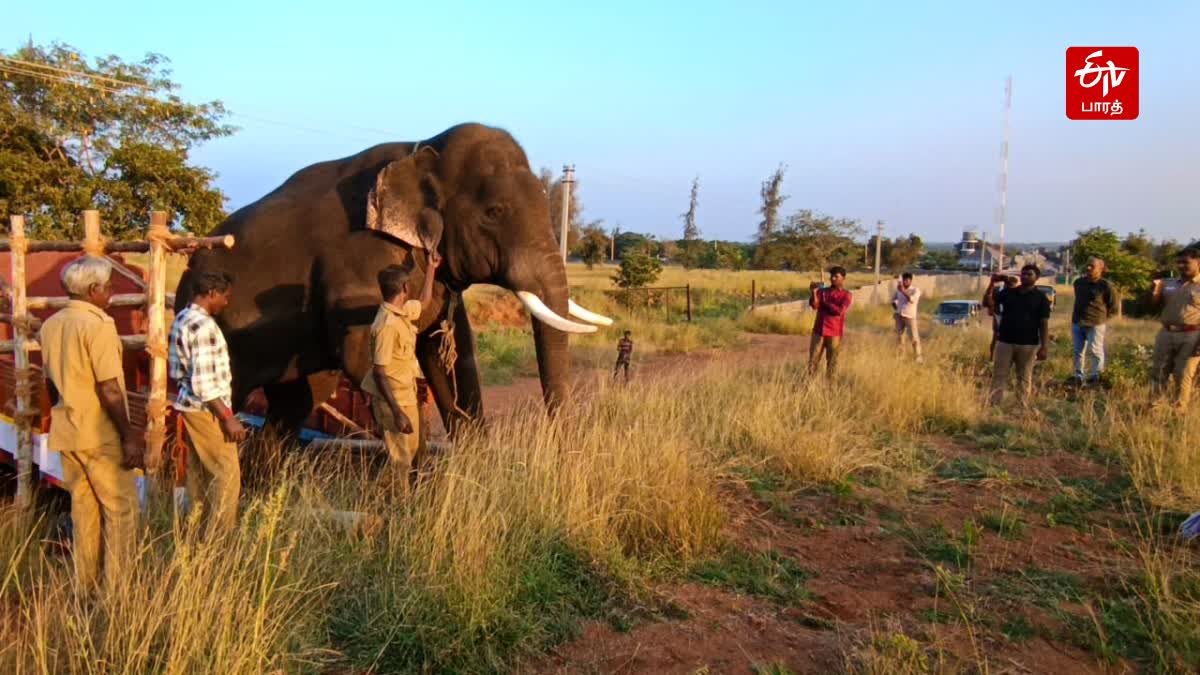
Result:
156,338
174,244
345,444
118,300
129,274
135,342
23,404
332,412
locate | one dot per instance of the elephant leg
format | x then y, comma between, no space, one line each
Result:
467,408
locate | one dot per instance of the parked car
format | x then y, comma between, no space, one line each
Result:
1049,291
956,313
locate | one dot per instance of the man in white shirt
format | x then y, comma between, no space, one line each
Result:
905,303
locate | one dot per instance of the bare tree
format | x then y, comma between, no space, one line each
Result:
772,201
690,231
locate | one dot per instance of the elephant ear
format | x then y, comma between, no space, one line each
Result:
406,200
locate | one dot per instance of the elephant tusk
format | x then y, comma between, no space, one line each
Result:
584,315
547,316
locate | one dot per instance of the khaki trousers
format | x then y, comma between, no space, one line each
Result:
104,511
1023,357
1174,356
907,325
828,345
403,449
214,477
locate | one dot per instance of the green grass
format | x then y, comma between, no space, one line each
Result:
767,575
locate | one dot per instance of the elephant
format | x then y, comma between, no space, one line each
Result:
306,257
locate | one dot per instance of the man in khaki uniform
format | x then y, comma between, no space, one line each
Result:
198,362
1177,347
89,423
392,381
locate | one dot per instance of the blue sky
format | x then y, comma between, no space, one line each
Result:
881,111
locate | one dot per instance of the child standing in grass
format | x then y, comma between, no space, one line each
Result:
831,304
624,354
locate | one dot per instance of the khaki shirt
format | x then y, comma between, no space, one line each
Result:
1182,307
393,345
80,348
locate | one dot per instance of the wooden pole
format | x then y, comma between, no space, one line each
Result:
92,245
156,342
753,294
22,388
689,302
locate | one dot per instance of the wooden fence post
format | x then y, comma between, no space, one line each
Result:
23,380
688,288
753,294
156,342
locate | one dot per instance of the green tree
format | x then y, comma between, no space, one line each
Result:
1138,244
815,241
637,270
940,260
903,252
772,201
106,134
1165,252
593,244
723,255
1127,272
689,252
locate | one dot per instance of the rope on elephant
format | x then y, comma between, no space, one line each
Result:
448,350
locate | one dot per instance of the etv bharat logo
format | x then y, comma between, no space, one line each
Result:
1102,83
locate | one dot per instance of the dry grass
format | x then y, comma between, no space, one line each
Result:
518,534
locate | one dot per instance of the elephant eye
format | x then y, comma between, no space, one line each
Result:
495,211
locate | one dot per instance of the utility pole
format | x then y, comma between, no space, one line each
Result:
612,250
1004,164
878,247
567,180
982,250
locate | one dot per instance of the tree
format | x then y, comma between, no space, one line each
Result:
940,260
723,255
593,244
637,270
1165,252
814,241
691,231
554,192
1125,271
1138,244
772,202
110,135
900,254
628,241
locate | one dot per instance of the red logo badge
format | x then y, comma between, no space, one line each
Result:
1102,83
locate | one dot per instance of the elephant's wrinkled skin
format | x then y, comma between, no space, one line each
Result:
306,257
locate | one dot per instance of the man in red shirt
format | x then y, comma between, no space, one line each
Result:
831,305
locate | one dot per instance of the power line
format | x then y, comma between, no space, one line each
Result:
77,73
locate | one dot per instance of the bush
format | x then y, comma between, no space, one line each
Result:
637,270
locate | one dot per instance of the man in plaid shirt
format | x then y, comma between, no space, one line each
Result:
199,365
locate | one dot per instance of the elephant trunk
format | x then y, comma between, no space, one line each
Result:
540,281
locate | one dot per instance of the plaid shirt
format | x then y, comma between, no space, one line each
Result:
199,360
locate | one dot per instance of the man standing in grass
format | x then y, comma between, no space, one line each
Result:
1095,303
905,303
1177,347
198,360
624,354
1009,282
1023,337
89,422
392,380
831,304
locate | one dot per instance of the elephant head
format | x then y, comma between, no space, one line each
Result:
470,193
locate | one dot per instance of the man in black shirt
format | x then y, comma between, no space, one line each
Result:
1023,336
1095,302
